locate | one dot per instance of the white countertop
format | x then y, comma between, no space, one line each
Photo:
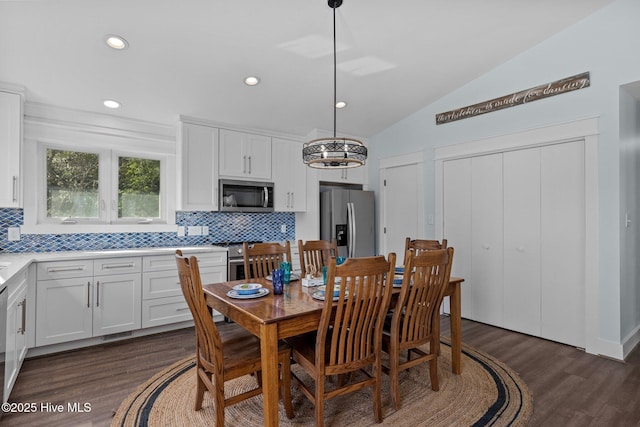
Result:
13,263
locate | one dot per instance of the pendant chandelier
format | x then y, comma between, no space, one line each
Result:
334,153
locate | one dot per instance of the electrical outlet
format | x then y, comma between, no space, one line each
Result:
283,228
13,234
181,231
194,230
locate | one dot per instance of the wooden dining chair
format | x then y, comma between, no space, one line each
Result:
261,258
348,339
415,321
316,253
419,245
225,354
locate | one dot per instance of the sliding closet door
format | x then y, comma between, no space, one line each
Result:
563,243
522,240
457,226
487,238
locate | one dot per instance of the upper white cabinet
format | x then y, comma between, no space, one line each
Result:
289,176
199,167
10,142
349,176
244,155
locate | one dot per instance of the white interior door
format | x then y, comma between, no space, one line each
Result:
457,226
522,240
487,238
402,207
563,243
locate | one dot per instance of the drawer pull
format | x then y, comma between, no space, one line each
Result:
98,294
182,309
63,269
88,294
109,266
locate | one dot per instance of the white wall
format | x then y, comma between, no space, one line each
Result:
606,44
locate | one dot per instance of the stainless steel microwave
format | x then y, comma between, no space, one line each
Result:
245,196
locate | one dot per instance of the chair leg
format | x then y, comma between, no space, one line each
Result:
285,387
200,389
377,392
394,374
218,400
319,401
433,373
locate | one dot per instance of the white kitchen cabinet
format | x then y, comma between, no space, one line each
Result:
162,299
10,143
16,344
517,222
244,155
198,151
345,176
289,176
118,295
73,303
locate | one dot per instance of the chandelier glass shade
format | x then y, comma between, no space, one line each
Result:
336,152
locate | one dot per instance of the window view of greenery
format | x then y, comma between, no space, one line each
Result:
138,188
72,184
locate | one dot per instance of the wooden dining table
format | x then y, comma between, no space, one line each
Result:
274,317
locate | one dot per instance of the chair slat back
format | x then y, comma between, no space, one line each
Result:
423,287
351,327
420,245
260,259
208,340
316,253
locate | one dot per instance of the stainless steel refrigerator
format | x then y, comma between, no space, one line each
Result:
348,216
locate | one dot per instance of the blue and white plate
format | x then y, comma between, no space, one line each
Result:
247,288
320,295
234,294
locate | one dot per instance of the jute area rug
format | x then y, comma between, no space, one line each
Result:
487,393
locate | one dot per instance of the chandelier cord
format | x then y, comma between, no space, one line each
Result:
335,73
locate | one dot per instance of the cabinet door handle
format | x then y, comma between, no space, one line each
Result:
63,269
249,165
88,294
23,329
244,164
15,189
291,200
108,266
98,294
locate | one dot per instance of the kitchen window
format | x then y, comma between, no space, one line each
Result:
101,187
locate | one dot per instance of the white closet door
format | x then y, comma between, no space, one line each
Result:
457,225
487,238
563,243
522,240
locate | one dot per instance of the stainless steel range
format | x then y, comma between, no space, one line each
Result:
236,260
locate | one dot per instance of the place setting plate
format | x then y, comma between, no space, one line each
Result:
319,293
247,291
294,276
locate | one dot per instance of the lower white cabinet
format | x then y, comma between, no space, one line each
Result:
74,303
162,299
16,345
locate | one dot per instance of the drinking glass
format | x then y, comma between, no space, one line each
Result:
277,275
286,268
324,274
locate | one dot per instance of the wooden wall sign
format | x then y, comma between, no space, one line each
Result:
579,81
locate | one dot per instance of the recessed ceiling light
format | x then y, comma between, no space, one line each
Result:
251,80
110,103
116,42
341,104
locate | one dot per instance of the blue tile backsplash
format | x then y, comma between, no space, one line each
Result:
223,227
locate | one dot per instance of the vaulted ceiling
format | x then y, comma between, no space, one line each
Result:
189,57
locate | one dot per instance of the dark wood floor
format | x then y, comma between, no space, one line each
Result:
569,387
